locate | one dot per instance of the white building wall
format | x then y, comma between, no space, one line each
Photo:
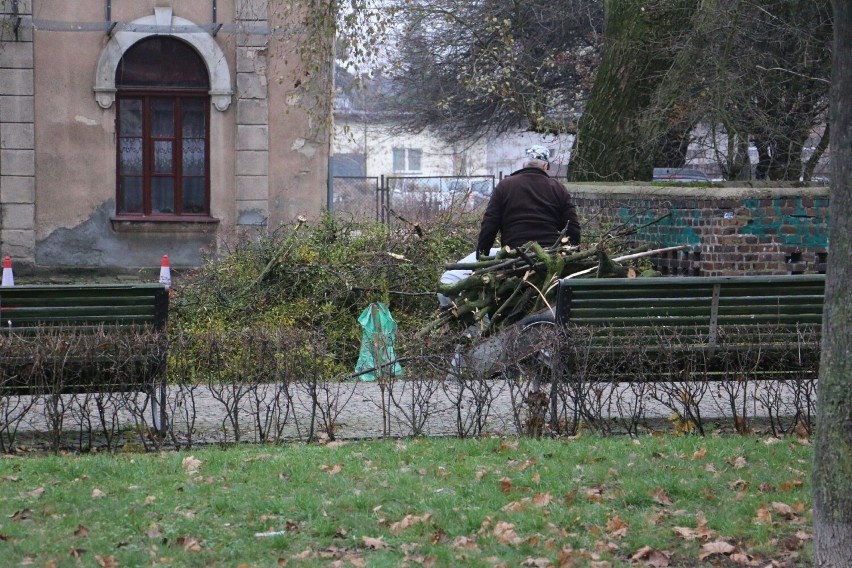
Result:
376,141
506,152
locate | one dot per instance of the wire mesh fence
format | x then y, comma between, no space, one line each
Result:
360,198
414,198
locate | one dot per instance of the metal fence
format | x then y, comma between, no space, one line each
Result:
414,198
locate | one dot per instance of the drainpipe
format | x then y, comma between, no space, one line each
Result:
329,197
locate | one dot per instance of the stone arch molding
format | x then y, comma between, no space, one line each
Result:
207,48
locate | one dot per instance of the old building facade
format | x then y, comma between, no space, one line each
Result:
132,129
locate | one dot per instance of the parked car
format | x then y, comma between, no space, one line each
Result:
680,175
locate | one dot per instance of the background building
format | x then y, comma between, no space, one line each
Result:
129,130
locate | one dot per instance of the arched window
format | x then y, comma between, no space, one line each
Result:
162,124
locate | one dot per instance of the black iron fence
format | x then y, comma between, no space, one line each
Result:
414,198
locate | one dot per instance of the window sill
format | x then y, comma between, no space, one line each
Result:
163,224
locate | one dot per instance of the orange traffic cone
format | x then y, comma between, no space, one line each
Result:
8,276
165,272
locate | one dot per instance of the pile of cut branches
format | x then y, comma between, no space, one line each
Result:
514,283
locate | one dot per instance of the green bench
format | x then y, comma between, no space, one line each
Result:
670,338
672,322
66,339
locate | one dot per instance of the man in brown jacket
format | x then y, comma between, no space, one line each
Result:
529,205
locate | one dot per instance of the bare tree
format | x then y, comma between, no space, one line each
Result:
469,68
746,70
832,468
752,70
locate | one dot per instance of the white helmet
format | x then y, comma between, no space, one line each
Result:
538,153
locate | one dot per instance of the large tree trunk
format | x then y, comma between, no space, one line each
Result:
609,146
832,468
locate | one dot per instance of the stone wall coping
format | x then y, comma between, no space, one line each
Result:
636,190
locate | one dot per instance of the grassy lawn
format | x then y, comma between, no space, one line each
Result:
653,500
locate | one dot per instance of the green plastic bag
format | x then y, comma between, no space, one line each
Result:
377,343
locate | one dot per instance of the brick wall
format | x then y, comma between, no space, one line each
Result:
729,231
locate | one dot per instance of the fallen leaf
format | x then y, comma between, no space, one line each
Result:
36,492
787,486
374,543
542,499
21,515
505,533
784,510
505,484
802,535
150,499
189,544
698,454
595,494
660,496
481,473
569,497
97,494
81,531
766,488
332,469
106,561
421,559
739,462
652,557
506,445
685,533
439,536
616,527
763,516
716,547
465,542
796,472
76,552
701,532
538,562
740,558
527,464
190,465
408,521
512,507
567,557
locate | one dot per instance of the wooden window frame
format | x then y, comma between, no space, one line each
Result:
148,173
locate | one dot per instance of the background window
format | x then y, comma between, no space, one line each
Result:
162,122
407,160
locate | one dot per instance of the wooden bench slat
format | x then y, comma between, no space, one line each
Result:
666,320
73,305
70,311
83,311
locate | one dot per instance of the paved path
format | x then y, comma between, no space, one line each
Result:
366,410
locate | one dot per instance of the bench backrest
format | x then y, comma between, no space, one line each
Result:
700,306
84,306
